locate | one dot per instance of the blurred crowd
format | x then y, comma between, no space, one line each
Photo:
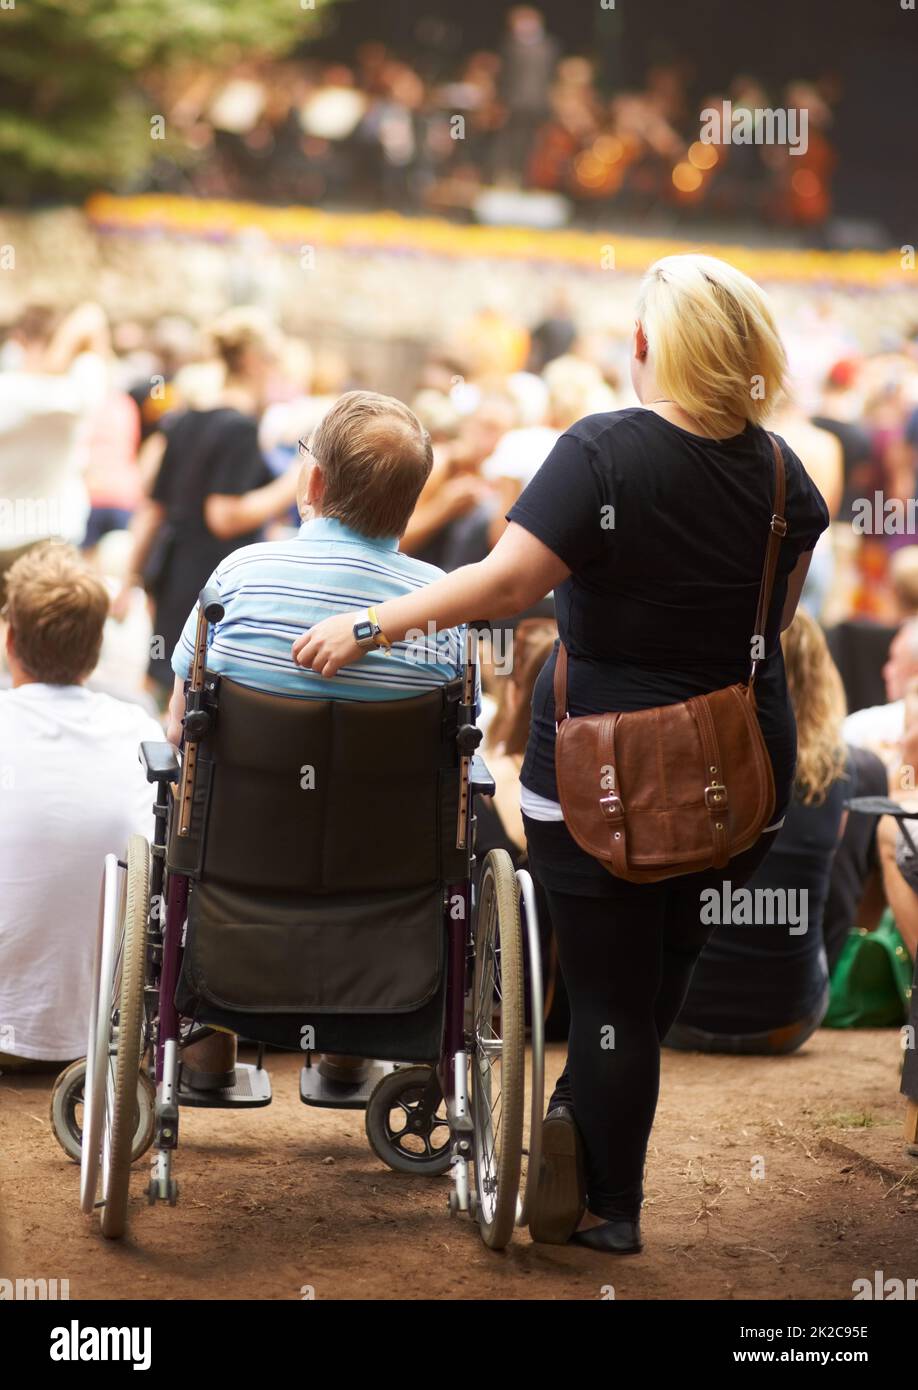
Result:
160,448
88,407
432,130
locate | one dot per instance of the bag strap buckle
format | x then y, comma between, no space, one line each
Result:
612,807
715,797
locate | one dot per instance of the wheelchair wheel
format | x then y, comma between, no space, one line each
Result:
497,1051
533,1148
399,1132
67,1112
113,1060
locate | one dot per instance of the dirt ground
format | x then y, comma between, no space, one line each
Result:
279,1199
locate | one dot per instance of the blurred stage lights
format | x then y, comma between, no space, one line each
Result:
806,184
608,149
686,178
591,172
702,156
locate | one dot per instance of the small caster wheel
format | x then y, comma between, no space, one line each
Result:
173,1191
400,1133
453,1202
67,1112
473,1205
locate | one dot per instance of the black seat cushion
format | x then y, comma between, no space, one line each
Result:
349,954
414,1037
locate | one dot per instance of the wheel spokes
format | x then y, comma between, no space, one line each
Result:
489,1047
420,1135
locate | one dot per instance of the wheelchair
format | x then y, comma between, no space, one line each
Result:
311,886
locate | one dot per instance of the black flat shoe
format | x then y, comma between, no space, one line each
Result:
561,1192
614,1237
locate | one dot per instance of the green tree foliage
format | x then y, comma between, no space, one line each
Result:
74,111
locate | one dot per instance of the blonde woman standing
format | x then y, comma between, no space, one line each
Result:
650,525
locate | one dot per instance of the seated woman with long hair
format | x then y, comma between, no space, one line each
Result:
762,983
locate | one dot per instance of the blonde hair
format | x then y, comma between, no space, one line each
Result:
533,640
818,699
241,330
714,343
575,388
903,575
56,608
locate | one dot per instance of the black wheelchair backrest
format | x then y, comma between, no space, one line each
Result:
327,796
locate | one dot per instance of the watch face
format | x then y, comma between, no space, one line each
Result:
363,632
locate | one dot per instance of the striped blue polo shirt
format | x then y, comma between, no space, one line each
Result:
273,591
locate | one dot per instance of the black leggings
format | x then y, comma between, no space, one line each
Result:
627,959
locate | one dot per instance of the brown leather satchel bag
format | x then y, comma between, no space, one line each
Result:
677,788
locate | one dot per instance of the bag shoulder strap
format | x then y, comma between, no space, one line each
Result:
560,684
777,530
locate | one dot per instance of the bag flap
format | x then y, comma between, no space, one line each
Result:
654,760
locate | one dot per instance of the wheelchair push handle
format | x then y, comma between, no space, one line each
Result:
879,806
210,605
885,806
468,736
197,720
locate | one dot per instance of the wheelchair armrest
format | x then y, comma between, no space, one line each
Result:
160,762
481,783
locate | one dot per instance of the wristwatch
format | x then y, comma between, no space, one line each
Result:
368,634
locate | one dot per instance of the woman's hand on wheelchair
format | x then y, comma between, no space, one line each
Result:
327,646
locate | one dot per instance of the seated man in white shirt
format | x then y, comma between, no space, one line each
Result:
71,791
881,728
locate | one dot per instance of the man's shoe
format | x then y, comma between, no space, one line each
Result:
346,1071
561,1191
614,1237
210,1065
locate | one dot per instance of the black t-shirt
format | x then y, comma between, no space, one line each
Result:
207,452
857,451
664,533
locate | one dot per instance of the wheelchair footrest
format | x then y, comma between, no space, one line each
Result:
252,1088
336,1095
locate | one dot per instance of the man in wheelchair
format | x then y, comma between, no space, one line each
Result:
310,881
362,475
